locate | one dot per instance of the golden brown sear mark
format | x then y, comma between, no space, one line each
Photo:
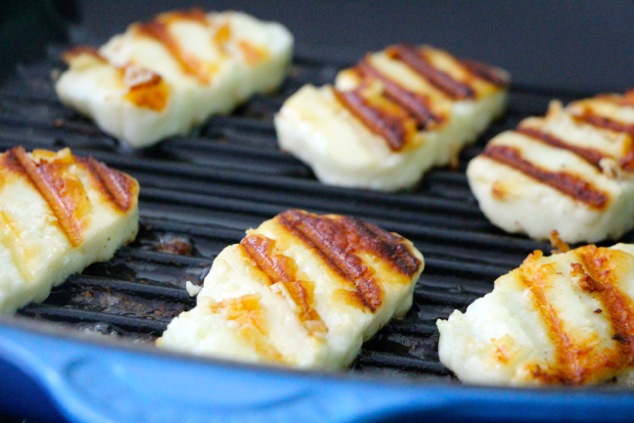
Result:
386,245
329,239
600,279
604,122
416,59
117,186
566,183
146,89
250,317
159,30
281,269
590,155
416,104
389,126
49,182
64,192
566,368
485,72
577,359
339,239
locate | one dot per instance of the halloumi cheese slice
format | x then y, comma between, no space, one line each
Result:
58,214
390,118
566,319
301,290
570,171
164,77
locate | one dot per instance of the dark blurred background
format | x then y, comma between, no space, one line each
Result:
580,46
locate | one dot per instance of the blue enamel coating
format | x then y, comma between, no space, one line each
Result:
95,382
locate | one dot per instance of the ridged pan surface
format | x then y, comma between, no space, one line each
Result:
201,192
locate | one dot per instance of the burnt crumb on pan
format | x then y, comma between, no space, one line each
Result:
174,244
109,301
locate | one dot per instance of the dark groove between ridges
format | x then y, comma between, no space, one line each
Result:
128,287
385,359
76,315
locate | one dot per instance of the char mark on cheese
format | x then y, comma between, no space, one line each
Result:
51,187
599,278
386,125
145,88
566,368
566,183
118,187
416,60
590,155
387,246
416,104
335,241
281,269
277,267
249,315
605,123
485,72
190,65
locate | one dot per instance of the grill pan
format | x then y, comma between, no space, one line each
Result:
85,353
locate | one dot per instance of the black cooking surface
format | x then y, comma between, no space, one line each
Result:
201,192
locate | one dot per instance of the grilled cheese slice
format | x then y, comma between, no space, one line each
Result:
58,214
164,77
570,171
301,290
390,118
565,319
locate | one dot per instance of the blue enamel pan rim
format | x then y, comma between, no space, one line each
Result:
96,380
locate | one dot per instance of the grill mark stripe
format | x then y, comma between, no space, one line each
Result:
417,61
387,126
261,251
68,223
282,269
566,183
566,363
188,63
617,304
590,155
116,185
415,104
606,123
329,238
387,246
485,72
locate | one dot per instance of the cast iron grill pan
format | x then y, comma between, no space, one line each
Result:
201,192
